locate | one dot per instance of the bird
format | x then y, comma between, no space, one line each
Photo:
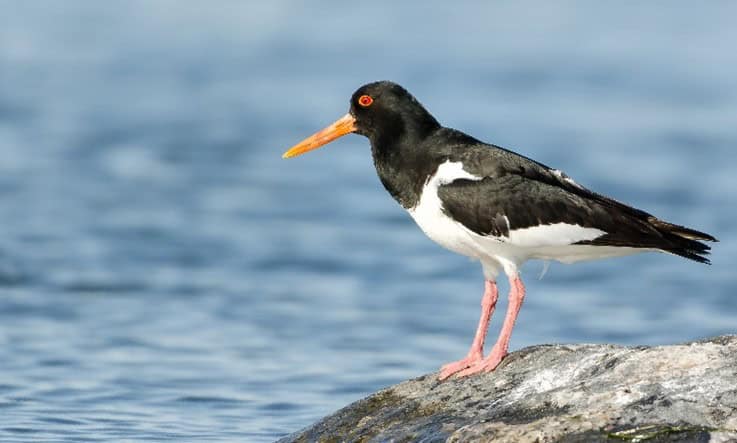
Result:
493,205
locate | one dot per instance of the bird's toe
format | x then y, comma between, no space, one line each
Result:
451,368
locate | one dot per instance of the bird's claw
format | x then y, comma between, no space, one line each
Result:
486,365
451,368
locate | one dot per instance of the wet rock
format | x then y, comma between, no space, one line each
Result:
558,393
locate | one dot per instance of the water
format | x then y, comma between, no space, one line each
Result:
164,275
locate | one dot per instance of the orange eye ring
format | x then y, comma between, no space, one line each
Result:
365,101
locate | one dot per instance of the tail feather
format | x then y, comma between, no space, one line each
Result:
680,231
684,241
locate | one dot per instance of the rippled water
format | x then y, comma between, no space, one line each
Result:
165,275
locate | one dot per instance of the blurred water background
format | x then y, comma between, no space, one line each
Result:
165,275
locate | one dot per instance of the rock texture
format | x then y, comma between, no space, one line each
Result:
558,393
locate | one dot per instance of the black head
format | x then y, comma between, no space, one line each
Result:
385,110
382,111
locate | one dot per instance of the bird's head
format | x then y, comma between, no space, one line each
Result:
381,111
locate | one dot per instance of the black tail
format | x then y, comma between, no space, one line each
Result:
683,241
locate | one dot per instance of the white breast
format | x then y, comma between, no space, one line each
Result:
430,217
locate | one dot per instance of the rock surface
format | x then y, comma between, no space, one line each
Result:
560,393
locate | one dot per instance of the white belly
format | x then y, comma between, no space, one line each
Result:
548,242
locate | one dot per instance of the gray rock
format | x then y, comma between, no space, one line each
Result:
558,393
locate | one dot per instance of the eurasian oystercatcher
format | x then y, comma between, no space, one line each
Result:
492,204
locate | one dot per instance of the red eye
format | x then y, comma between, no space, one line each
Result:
365,100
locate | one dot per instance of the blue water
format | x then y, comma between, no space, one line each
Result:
165,275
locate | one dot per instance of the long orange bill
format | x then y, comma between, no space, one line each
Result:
344,125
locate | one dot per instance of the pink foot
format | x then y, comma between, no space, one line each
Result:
486,365
500,350
475,354
456,366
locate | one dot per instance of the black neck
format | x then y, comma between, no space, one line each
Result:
402,160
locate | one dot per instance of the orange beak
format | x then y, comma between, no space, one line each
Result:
344,125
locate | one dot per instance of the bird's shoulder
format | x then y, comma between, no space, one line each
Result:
487,161
493,182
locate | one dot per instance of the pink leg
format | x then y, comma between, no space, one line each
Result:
476,353
500,350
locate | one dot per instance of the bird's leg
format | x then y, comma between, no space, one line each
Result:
476,353
500,349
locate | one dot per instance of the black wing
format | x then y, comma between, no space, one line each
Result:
516,192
